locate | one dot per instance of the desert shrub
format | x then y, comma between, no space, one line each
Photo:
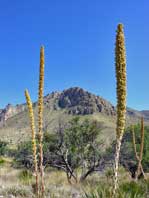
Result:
2,161
23,155
109,173
3,147
76,147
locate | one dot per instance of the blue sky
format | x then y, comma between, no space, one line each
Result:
79,37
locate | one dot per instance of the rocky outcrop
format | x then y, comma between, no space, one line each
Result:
145,114
10,111
75,101
80,102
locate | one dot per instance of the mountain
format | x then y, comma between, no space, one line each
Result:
60,107
10,111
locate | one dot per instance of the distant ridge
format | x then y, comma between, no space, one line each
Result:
62,106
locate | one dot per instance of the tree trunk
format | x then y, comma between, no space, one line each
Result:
84,176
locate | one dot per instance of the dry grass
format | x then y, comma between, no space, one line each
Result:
13,184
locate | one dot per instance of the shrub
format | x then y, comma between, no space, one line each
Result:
2,161
69,150
3,147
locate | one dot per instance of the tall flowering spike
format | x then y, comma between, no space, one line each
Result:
40,92
40,117
34,147
120,66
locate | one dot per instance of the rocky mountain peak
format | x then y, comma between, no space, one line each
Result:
75,101
78,101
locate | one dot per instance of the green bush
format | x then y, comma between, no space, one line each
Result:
23,156
3,147
2,161
72,147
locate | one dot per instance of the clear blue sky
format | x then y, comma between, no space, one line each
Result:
79,37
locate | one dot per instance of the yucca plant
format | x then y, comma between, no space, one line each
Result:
34,146
120,66
40,117
39,191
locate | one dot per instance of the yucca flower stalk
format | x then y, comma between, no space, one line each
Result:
140,168
120,66
34,146
142,143
40,117
134,142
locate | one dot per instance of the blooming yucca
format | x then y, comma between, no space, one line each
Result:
33,130
40,117
120,66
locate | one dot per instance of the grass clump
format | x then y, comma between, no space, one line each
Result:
2,161
133,189
129,189
25,176
17,191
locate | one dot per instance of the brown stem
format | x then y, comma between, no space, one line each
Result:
117,155
140,168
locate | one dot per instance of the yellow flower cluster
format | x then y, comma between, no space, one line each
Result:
120,63
39,192
40,117
33,130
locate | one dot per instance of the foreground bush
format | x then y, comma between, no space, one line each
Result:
76,147
3,147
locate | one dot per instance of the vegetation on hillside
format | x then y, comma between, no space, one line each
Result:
73,149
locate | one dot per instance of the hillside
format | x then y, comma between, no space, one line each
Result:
59,107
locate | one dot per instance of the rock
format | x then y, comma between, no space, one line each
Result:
10,111
80,102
